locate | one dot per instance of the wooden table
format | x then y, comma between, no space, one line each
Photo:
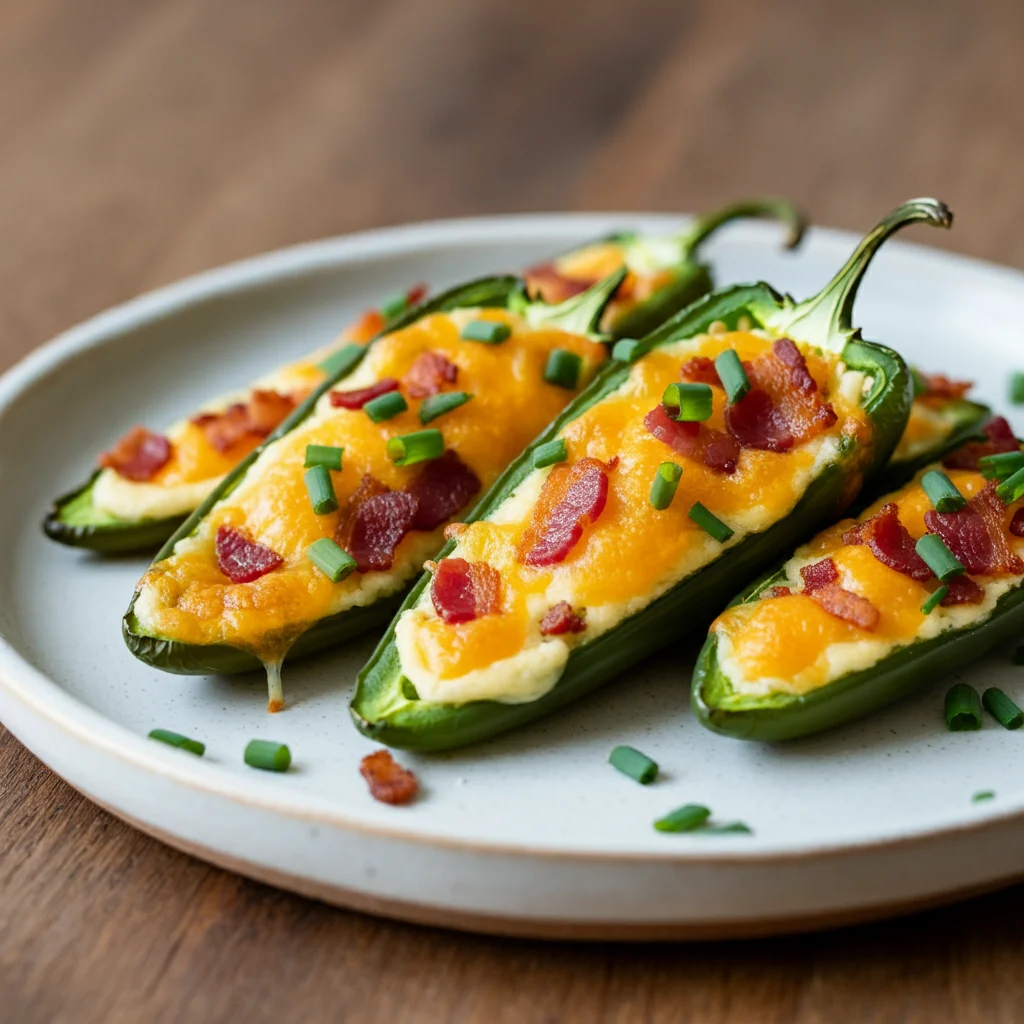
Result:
146,139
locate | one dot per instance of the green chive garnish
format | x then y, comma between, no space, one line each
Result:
710,523
333,561
732,375
625,350
563,368
438,405
1017,388
934,600
636,765
343,360
490,332
932,548
963,708
419,446
1012,488
984,794
549,453
1002,709
723,830
175,739
688,403
321,490
323,455
394,305
385,407
267,755
663,487
1001,466
941,491
683,819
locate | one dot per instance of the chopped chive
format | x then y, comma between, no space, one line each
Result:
984,794
1018,656
549,453
333,561
419,446
625,350
934,600
1002,709
1012,488
563,368
732,375
343,360
683,819
385,407
710,523
633,763
942,492
1001,466
175,739
963,708
490,332
1017,388
323,455
321,490
663,487
688,403
733,827
438,405
394,305
932,548
267,755
920,384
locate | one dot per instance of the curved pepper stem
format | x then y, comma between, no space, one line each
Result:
764,208
826,319
580,314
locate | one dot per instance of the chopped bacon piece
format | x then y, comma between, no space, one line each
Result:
544,281
701,370
360,396
463,591
1017,523
963,590
571,498
264,411
696,441
820,574
780,592
416,294
389,782
138,456
559,619
373,523
999,438
366,328
243,560
442,487
939,389
890,542
976,534
848,606
267,410
756,422
429,374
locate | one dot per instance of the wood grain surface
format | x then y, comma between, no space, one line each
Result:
146,139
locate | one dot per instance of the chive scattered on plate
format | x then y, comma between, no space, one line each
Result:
636,765
1002,709
563,368
732,375
625,350
710,523
1012,488
963,708
932,548
419,446
683,819
1017,388
385,407
323,455
663,487
175,739
331,559
942,492
490,332
268,756
549,453
984,794
343,360
688,403
321,490
934,600
732,828
437,405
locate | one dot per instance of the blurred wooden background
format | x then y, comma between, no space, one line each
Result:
141,140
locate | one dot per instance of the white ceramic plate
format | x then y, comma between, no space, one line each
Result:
534,833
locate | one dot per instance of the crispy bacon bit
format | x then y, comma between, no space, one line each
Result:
696,441
360,396
267,410
780,592
999,437
429,374
572,498
543,281
939,389
389,782
442,487
963,590
560,618
701,370
848,606
890,542
138,456
463,591
264,411
756,422
373,524
1017,523
820,574
416,294
243,560
976,534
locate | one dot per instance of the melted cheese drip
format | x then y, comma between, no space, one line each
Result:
631,555
185,597
792,645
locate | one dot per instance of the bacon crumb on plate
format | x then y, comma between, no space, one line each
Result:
389,782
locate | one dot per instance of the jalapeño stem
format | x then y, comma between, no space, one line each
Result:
764,207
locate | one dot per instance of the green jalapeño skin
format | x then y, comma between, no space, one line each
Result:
389,707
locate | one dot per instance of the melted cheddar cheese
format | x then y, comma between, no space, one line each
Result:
926,428
790,644
633,553
185,597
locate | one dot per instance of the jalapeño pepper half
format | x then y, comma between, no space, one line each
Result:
389,707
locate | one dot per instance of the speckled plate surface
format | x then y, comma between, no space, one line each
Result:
532,834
